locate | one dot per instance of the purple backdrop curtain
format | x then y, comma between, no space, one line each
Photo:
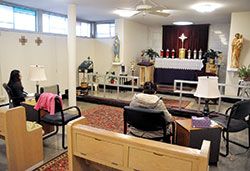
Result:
197,38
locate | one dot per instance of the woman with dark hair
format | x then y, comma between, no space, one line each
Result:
148,99
17,88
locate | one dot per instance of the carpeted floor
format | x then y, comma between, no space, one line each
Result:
59,163
105,117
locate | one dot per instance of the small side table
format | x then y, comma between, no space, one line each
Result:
146,74
188,136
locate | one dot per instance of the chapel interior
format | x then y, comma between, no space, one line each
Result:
95,56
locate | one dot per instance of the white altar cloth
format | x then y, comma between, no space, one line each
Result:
185,64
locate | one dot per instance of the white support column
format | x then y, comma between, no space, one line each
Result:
72,54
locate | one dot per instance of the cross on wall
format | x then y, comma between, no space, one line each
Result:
22,40
38,41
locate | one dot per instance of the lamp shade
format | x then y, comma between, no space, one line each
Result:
37,73
207,87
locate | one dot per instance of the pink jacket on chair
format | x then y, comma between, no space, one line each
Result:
46,101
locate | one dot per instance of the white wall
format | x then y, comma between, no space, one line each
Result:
52,53
240,23
133,39
155,38
104,56
219,40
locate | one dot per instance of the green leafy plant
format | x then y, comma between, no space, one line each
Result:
212,54
244,72
151,53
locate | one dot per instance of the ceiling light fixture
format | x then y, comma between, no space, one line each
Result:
206,7
125,13
181,23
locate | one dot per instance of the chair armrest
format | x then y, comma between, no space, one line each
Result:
79,111
214,113
173,132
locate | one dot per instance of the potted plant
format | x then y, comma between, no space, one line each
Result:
111,78
244,72
151,53
211,55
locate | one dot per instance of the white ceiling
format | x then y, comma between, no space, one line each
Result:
97,10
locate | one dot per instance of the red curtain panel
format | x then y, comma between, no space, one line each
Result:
197,38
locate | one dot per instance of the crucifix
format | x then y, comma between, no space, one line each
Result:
22,40
182,50
182,37
38,41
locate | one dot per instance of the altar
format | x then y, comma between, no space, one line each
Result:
167,70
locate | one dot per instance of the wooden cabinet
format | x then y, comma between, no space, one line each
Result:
155,161
193,137
100,149
212,68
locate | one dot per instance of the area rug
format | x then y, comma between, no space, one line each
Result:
105,117
59,163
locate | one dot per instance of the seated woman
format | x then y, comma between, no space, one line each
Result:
149,100
17,88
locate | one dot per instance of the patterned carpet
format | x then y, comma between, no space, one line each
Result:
105,117
59,163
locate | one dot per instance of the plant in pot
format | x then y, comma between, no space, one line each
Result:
211,55
244,72
111,78
151,53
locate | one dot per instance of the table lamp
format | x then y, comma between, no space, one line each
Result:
207,88
37,73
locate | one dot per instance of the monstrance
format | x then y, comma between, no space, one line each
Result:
182,50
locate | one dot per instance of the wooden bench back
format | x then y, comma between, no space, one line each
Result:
124,152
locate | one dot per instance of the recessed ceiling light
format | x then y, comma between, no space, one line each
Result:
206,7
181,23
125,13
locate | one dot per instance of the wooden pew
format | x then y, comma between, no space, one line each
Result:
112,151
24,149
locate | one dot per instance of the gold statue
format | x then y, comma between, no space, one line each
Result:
236,48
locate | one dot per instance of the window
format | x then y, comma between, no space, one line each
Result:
17,18
105,30
54,24
24,19
6,17
83,29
